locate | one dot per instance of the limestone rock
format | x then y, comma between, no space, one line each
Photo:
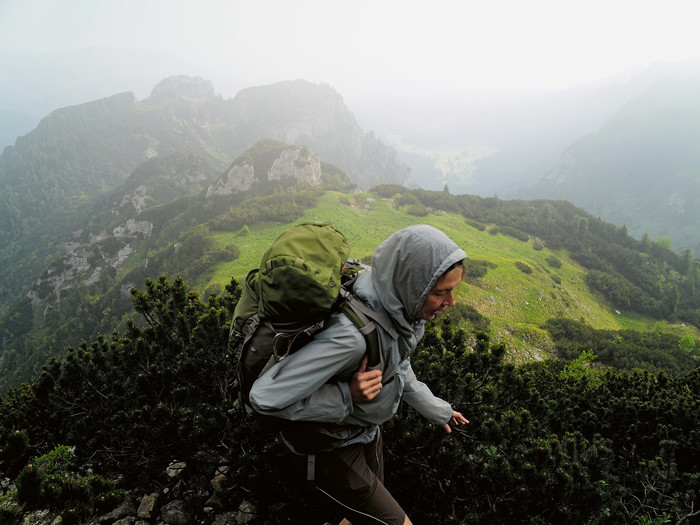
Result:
246,513
176,513
175,469
235,180
147,508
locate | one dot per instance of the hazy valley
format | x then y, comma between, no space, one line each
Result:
104,198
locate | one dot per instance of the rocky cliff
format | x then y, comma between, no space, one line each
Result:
289,163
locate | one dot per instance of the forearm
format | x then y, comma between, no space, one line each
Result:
432,408
331,403
420,397
304,386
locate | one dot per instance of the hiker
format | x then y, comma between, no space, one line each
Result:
413,278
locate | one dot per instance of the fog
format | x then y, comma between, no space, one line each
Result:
419,74
367,48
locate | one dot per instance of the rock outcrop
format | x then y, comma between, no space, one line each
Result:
291,162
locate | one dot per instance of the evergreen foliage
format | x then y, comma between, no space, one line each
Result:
625,349
547,442
475,268
459,313
150,380
636,275
523,267
51,481
542,446
388,190
334,176
605,434
285,206
102,305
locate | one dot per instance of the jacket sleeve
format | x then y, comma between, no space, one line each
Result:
304,386
418,395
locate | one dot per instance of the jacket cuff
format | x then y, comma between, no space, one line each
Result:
452,411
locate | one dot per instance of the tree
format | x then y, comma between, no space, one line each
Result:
687,343
665,242
581,370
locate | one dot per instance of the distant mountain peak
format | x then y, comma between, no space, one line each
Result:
183,86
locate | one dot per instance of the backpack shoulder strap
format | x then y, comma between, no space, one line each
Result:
366,321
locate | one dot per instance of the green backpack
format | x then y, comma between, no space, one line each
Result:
304,276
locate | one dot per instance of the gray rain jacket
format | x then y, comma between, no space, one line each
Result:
312,384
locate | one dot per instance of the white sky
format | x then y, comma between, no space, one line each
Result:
362,46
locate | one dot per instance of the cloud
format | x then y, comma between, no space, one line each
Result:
368,46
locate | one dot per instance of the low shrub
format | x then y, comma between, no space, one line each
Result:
525,268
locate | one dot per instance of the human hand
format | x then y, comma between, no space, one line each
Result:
457,419
364,385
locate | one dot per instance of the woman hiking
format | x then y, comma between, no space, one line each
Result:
413,278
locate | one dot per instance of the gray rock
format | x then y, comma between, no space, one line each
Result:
226,519
129,520
246,513
176,513
147,508
175,469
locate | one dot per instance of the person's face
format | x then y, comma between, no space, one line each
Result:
441,295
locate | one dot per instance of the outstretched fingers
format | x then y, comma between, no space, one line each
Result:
456,419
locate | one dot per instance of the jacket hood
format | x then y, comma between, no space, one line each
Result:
407,265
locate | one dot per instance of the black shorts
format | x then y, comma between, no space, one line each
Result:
352,479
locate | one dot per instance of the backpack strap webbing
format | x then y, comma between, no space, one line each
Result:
364,318
249,327
359,306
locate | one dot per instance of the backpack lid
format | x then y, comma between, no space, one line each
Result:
300,274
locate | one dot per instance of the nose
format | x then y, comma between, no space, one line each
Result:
450,299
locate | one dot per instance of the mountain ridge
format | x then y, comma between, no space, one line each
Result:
185,209
154,222
172,120
640,168
80,151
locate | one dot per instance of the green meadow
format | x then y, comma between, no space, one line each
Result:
516,303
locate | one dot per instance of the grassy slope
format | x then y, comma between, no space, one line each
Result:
516,303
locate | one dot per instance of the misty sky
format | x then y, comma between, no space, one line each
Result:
362,47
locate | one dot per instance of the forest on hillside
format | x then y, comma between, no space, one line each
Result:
549,442
637,276
71,187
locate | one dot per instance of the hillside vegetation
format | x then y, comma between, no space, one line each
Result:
578,413
147,417
640,167
52,177
517,282
525,284
573,348
169,205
